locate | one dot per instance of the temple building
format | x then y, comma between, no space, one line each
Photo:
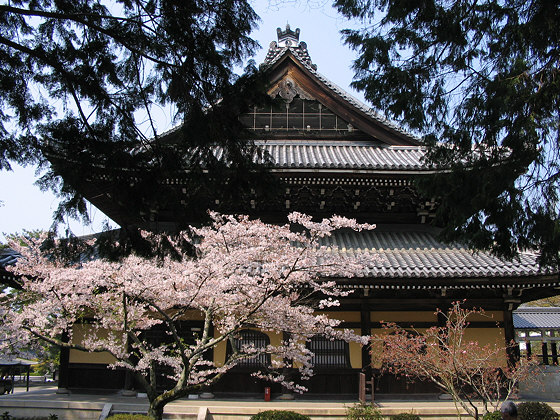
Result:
334,155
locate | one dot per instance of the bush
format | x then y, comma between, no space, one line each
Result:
496,415
363,412
6,416
124,416
407,416
533,410
279,415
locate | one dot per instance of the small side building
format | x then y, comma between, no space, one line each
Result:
537,332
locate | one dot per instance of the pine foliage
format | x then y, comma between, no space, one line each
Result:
81,83
480,80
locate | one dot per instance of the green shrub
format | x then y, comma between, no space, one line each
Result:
128,417
279,415
533,410
496,415
406,416
34,418
6,416
363,412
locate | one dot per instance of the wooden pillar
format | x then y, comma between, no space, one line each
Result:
365,322
64,362
544,353
362,388
554,351
365,329
128,382
528,346
513,353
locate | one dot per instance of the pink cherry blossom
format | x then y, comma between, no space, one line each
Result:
246,274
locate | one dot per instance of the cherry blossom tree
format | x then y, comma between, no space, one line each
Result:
245,274
465,369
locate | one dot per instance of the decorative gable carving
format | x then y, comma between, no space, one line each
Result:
288,89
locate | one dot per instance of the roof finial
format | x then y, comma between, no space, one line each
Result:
288,38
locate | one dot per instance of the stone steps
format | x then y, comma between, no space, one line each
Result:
91,407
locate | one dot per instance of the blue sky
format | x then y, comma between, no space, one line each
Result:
24,206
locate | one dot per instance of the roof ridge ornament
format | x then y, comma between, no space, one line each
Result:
287,37
288,40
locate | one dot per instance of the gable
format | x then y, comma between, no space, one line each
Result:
307,102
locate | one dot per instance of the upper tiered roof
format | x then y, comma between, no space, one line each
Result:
342,155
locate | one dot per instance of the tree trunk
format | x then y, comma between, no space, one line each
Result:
155,411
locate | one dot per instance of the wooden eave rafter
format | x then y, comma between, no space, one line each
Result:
289,65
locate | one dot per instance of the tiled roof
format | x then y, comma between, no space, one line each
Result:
536,318
300,51
397,252
413,252
7,257
343,155
16,361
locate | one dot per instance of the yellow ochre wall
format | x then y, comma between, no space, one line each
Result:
355,350
79,330
482,335
77,356
426,316
405,316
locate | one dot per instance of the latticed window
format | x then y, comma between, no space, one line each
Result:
329,353
256,339
297,115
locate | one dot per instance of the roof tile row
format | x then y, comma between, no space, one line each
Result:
355,156
536,318
402,254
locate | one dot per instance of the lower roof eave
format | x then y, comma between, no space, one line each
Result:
359,171
431,283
